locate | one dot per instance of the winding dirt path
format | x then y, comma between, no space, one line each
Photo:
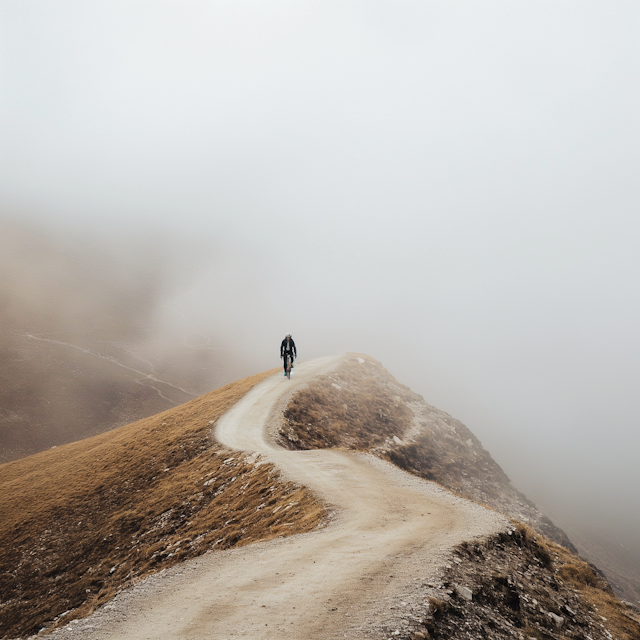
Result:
387,528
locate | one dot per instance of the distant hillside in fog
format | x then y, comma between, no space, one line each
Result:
80,351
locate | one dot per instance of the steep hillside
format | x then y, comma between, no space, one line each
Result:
514,585
80,522
362,407
620,564
80,352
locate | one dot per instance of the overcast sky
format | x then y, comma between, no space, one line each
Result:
450,187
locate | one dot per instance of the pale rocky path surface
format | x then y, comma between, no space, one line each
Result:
387,529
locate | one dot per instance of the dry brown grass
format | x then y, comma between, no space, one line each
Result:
80,522
622,622
587,581
352,408
538,544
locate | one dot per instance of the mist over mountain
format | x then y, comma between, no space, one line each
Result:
451,188
83,345
86,523
101,330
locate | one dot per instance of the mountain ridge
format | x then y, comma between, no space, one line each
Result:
397,424
180,439
82,521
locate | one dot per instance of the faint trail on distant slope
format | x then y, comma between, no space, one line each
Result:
112,360
388,528
190,329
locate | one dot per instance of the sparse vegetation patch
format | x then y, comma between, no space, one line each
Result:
354,408
80,522
516,585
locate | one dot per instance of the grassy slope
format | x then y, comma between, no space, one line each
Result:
80,522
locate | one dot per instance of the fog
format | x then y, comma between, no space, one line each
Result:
450,188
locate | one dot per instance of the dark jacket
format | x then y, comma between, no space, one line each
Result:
288,346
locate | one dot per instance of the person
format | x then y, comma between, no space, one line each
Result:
288,350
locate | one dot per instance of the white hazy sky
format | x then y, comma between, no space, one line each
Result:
450,187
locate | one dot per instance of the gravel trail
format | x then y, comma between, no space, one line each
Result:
389,534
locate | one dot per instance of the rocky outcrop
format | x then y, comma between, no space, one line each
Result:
514,585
